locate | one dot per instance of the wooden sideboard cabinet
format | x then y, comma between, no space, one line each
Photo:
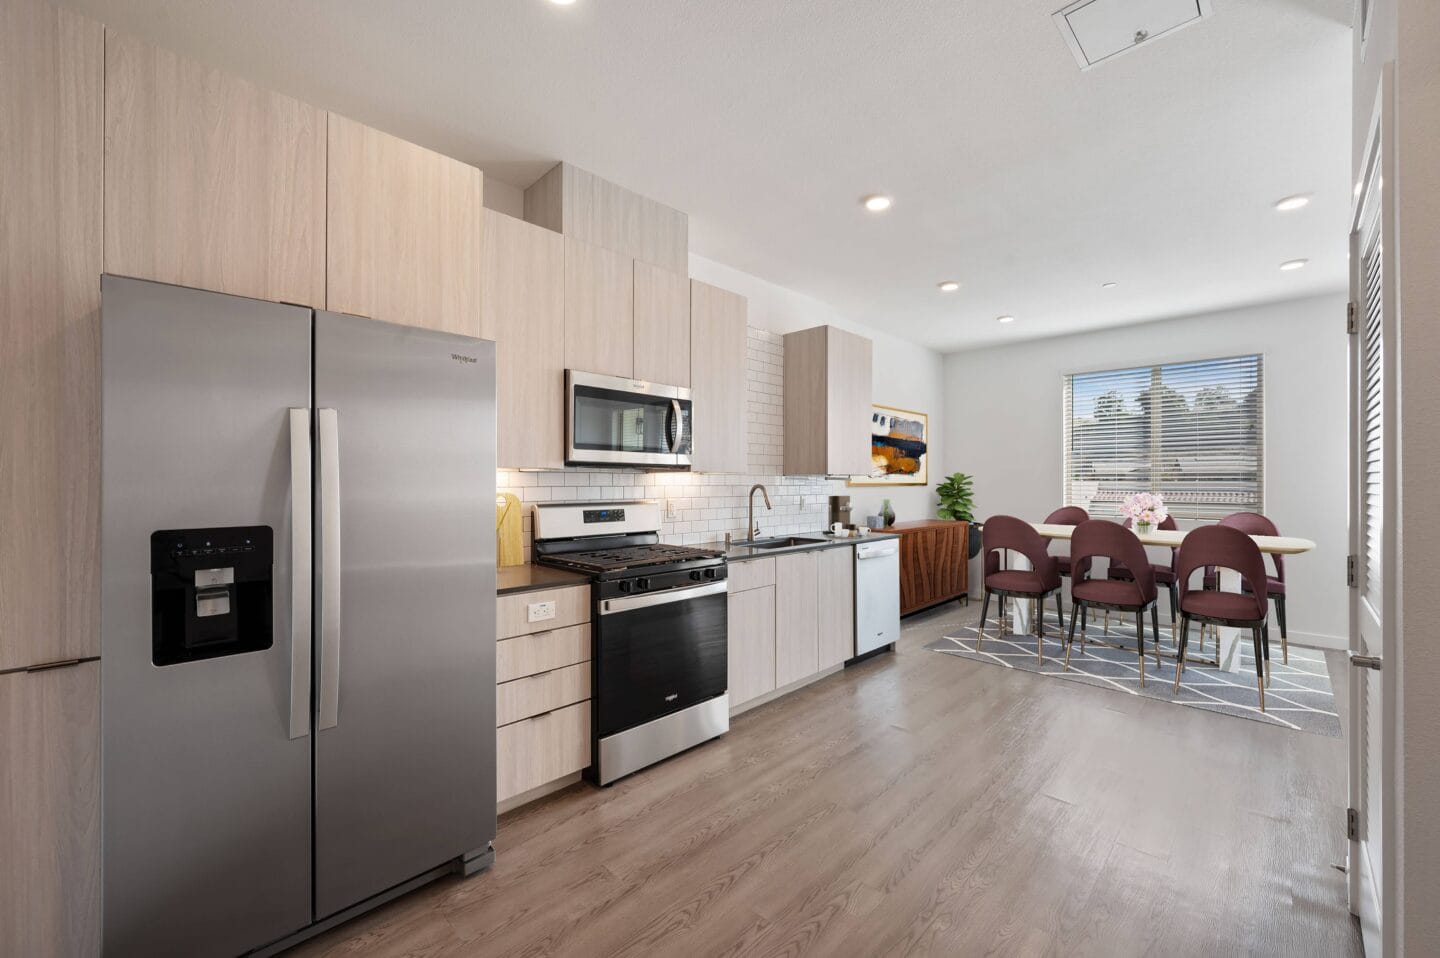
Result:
934,562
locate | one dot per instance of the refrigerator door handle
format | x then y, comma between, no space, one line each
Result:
301,608
329,568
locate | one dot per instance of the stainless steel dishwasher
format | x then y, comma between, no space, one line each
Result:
877,595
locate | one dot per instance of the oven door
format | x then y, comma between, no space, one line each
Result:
611,420
658,653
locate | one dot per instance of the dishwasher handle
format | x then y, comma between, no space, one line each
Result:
875,550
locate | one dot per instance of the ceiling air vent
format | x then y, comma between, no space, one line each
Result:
1097,30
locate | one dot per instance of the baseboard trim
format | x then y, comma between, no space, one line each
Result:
1313,640
536,793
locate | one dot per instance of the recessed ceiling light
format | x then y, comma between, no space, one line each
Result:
1004,319
1292,202
877,203
949,286
1108,285
562,3
1290,264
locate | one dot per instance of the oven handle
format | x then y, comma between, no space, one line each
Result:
611,606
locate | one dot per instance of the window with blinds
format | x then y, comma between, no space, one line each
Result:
1193,432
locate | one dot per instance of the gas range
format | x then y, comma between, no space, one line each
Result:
658,630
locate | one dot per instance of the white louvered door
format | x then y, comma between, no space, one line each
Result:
1372,541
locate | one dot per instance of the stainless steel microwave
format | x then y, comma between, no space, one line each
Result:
611,420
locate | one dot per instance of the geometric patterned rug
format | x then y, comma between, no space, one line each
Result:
1299,696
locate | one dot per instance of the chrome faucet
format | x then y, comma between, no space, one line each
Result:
754,527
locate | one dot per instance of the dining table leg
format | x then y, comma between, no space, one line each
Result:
1020,609
1228,639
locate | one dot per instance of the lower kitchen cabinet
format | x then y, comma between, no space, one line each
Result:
836,575
50,811
542,692
538,750
797,610
751,655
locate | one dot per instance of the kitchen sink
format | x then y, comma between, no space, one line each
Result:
785,542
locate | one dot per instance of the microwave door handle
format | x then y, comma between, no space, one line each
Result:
329,569
676,431
301,575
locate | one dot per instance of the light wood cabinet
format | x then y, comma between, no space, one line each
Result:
51,113
577,203
827,402
529,654
542,692
50,811
404,231
211,181
797,651
662,325
599,310
750,658
523,310
537,751
718,379
836,574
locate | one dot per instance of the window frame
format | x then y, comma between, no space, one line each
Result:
1180,512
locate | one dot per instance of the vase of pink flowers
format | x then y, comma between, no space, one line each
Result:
1145,510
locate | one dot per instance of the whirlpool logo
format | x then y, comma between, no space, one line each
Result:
462,358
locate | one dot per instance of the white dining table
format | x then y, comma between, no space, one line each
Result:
1229,638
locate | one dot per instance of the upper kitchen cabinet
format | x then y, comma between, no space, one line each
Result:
717,379
599,310
571,201
524,312
404,232
51,111
827,403
662,325
210,181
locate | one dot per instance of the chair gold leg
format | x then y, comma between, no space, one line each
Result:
1260,684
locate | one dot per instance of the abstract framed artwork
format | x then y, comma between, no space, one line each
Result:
899,441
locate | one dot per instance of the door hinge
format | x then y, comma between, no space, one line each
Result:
1352,318
1352,825
1352,563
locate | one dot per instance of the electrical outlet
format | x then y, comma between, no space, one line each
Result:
670,510
541,611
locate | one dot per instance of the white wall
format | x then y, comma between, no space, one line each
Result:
1003,425
906,376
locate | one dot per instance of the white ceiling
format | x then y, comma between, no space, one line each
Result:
1027,180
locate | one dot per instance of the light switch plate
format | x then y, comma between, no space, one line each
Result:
541,611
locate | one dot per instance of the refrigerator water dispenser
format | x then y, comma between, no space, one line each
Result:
210,592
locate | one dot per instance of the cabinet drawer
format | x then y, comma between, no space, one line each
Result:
525,697
539,750
572,607
753,574
525,655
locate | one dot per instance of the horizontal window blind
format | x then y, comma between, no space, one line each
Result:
1193,432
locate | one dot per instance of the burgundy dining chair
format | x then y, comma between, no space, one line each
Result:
1004,533
1164,572
1254,524
1098,538
1065,516
1224,547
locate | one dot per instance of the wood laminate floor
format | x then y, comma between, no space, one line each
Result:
919,804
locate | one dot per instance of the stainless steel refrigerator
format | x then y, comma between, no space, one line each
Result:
298,616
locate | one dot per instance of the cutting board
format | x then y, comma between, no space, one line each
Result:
509,532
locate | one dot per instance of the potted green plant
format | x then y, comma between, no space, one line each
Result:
957,502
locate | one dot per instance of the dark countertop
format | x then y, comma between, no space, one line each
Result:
739,552
528,578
